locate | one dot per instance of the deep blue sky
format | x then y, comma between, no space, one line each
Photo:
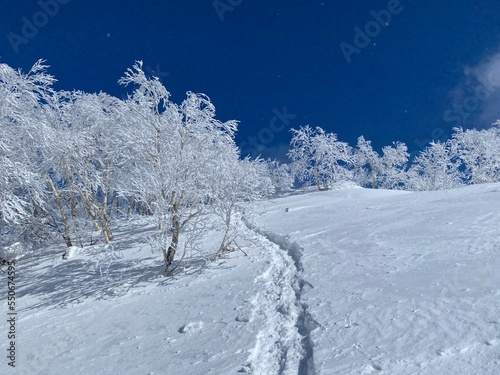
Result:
262,56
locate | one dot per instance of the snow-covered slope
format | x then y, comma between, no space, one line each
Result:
349,281
402,283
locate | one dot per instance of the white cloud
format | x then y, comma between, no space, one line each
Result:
482,85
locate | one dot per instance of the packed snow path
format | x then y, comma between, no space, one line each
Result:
283,344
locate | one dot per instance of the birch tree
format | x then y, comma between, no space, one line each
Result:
479,151
179,148
319,157
387,171
22,125
437,167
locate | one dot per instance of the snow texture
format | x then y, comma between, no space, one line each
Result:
349,281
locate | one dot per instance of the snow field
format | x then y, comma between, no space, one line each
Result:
118,314
349,281
404,283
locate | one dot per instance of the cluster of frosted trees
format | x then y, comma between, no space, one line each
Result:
71,162
469,157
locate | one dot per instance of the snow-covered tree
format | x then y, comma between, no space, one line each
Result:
480,152
236,183
178,149
319,157
437,167
394,163
71,164
281,176
385,171
22,126
96,154
368,162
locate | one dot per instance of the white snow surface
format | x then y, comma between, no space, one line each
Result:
349,281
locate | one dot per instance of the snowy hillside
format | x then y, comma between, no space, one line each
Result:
350,281
402,283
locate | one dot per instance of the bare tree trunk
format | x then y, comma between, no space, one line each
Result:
174,243
109,214
374,175
131,207
117,208
225,243
316,178
74,204
57,196
98,214
90,210
105,229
